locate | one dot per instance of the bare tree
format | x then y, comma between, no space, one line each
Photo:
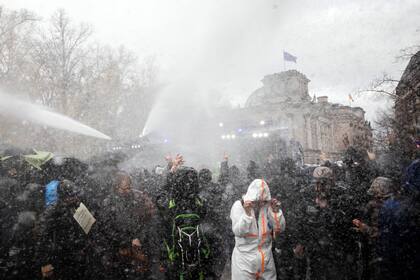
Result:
60,54
383,86
59,67
406,53
16,28
119,91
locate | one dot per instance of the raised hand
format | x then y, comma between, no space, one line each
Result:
360,226
178,161
225,156
248,205
275,205
47,271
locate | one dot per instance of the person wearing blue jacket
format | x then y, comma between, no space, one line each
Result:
399,230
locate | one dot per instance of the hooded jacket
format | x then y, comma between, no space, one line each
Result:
252,257
399,229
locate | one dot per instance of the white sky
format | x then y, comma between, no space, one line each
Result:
229,45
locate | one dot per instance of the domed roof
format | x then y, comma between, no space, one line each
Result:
288,86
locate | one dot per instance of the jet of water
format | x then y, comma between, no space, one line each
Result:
11,106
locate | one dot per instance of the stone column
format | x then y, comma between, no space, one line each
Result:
291,125
308,132
318,134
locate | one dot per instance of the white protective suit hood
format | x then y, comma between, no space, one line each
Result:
257,191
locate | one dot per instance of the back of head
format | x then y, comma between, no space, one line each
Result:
184,181
205,176
234,171
326,163
72,169
323,172
33,197
253,170
12,166
412,178
354,156
122,183
67,189
323,178
288,166
9,189
382,187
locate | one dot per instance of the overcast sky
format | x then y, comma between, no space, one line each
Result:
229,45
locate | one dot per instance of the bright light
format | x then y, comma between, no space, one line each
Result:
265,134
221,124
262,122
223,136
260,135
233,136
228,136
255,135
239,129
165,141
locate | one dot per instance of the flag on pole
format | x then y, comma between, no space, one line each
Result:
351,98
288,57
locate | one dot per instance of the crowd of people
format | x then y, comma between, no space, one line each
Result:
344,221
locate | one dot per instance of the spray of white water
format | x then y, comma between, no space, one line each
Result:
13,107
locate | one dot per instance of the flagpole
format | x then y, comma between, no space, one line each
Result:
284,62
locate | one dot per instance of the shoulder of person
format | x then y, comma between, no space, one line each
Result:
237,204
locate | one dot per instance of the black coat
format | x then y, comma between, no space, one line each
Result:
63,243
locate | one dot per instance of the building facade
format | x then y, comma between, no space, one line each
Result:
283,107
407,106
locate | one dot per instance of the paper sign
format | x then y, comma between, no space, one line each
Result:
84,218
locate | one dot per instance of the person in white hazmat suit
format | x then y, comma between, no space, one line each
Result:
256,220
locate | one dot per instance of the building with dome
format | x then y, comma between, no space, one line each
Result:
282,110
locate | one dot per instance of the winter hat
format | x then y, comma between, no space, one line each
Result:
184,181
257,191
67,189
381,187
323,172
205,175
